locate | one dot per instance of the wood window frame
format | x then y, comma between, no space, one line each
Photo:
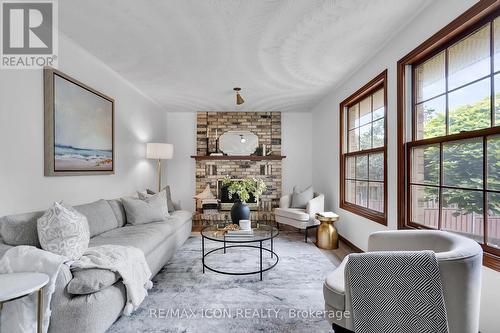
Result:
380,81
473,18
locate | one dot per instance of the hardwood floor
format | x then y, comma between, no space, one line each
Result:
336,256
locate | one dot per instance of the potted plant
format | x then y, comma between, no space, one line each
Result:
240,191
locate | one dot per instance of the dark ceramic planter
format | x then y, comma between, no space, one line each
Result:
240,211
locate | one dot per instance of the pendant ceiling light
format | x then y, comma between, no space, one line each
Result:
239,99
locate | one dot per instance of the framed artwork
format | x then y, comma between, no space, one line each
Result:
79,127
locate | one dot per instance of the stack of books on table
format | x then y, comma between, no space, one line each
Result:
239,234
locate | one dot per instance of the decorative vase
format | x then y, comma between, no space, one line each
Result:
240,211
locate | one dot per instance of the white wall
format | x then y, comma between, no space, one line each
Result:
296,128
181,131
296,145
326,139
23,186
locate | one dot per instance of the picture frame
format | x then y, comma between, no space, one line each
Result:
78,127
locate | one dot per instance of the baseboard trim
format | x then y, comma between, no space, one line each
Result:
351,245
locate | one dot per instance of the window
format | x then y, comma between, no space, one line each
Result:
363,151
449,130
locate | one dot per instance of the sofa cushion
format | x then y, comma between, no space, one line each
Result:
88,281
334,287
148,195
100,216
179,217
4,248
293,213
117,207
64,231
170,202
20,229
147,210
143,236
300,199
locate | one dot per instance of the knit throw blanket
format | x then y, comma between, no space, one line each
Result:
394,292
129,262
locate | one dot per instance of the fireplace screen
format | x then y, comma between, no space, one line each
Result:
226,203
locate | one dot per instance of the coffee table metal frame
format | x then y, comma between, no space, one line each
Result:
239,244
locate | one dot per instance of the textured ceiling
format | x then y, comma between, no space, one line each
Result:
189,54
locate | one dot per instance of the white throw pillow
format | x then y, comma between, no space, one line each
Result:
64,231
300,199
149,209
156,199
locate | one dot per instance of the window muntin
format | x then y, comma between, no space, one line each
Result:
453,159
430,78
424,205
366,122
363,153
494,224
469,108
496,43
450,82
450,186
469,58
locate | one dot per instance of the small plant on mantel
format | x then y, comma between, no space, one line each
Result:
244,187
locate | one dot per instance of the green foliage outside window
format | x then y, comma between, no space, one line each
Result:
464,166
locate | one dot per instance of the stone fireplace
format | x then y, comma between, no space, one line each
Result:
268,167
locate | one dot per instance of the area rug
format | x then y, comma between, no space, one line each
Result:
289,299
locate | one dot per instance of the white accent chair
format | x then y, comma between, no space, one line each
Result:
303,219
460,264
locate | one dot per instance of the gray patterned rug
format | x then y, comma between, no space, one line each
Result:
183,299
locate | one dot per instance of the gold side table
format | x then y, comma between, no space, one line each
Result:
326,235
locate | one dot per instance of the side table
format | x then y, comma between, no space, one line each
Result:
18,285
326,235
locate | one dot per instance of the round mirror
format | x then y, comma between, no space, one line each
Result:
238,143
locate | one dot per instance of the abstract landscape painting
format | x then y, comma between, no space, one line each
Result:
82,127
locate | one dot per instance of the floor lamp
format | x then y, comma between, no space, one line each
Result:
159,151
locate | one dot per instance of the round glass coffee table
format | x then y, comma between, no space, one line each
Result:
261,233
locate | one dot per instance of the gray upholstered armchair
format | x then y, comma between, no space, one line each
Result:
459,259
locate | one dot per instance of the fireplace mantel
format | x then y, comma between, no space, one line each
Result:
239,158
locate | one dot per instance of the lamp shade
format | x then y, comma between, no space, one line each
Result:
159,151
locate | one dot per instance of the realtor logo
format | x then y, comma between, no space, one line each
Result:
28,34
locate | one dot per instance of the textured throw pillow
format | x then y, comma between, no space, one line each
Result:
300,199
64,231
170,203
151,209
100,216
160,197
88,281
